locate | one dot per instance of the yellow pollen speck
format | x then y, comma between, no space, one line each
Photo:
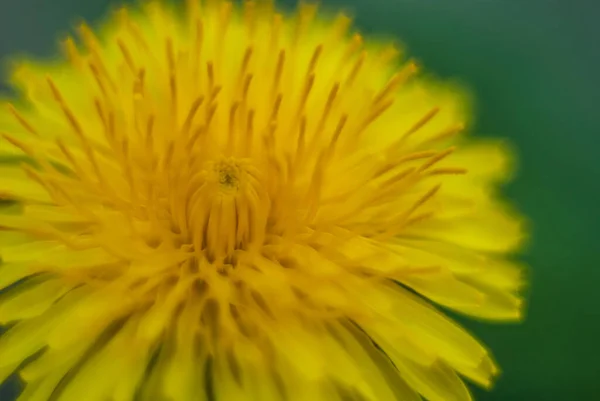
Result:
229,203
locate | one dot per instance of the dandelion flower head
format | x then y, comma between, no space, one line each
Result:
221,202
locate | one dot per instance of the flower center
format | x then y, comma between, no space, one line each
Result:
229,176
228,179
221,208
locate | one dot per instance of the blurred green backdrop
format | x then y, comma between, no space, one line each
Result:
533,65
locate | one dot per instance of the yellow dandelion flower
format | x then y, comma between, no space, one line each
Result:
228,203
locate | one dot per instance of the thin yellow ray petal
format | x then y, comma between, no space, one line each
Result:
445,289
150,389
16,184
182,371
487,161
397,343
10,273
302,348
52,361
32,301
52,213
497,304
351,373
443,335
50,254
23,251
427,329
45,373
377,365
90,316
503,275
227,386
159,317
10,238
436,383
490,230
29,336
132,374
42,390
100,374
249,371
461,261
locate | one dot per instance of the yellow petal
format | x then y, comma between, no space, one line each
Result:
487,161
44,374
352,371
497,304
384,376
181,375
42,389
90,316
461,261
424,328
25,251
29,336
132,374
436,383
10,238
16,184
302,348
445,289
489,230
34,299
228,385
10,273
50,254
52,214
50,361
113,360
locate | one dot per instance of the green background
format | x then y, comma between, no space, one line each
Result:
534,68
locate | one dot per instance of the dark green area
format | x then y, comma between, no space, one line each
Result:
533,65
